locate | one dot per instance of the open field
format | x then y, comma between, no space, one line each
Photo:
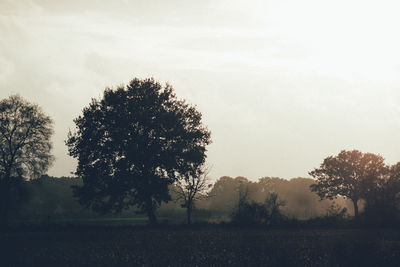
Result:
202,246
86,221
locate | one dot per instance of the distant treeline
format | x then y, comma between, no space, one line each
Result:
51,198
141,154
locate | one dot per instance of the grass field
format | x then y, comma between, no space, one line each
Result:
86,221
201,246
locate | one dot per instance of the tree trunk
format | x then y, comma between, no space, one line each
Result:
150,210
4,200
355,208
3,209
189,212
152,216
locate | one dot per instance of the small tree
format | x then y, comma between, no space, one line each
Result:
350,174
191,187
25,132
243,198
242,208
272,205
132,144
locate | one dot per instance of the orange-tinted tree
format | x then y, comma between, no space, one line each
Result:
351,174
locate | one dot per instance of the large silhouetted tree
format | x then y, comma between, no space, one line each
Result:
132,144
25,132
351,174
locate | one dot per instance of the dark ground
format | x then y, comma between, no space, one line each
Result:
201,246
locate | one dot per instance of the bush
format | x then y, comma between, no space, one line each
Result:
255,213
335,216
380,214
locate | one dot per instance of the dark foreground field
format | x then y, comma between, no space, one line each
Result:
202,246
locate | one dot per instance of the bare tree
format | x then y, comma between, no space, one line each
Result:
192,187
272,205
25,132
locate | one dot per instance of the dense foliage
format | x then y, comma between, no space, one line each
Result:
132,144
361,177
25,132
350,174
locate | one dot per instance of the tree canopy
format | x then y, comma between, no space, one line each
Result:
133,143
25,132
351,174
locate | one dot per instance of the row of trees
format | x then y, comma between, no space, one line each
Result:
51,199
360,176
130,145
300,202
138,140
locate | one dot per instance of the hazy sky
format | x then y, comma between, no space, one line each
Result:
281,84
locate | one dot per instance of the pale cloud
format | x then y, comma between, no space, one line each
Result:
281,84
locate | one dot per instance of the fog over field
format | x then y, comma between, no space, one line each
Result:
281,84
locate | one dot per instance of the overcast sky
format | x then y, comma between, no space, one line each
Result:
281,84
